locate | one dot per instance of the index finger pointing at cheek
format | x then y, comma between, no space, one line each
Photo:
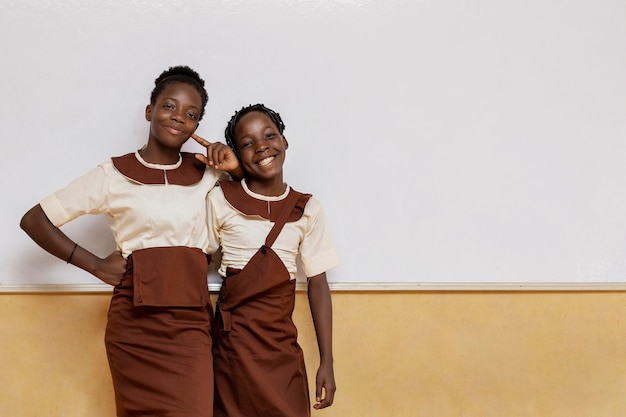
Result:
200,140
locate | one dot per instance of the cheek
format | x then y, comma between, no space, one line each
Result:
243,150
245,156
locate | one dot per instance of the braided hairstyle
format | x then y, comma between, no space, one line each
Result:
180,74
229,133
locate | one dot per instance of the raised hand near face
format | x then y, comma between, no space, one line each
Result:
218,156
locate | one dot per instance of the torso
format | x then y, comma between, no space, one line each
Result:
145,205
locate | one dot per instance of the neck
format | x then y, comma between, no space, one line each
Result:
272,188
161,156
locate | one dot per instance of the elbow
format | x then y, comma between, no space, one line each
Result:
31,219
318,285
25,222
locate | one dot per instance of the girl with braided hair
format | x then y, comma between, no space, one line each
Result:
262,225
157,339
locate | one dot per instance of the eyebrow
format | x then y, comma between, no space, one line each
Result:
173,99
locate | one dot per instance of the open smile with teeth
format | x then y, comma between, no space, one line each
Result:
266,161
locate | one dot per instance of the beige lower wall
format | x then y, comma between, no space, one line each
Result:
434,354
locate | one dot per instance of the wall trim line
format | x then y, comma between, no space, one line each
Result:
358,286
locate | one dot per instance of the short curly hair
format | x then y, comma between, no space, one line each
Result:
180,74
229,132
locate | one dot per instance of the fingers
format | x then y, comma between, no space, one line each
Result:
206,160
219,151
324,398
202,158
324,402
114,282
112,268
200,140
218,155
210,159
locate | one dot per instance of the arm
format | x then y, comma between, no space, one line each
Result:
220,156
37,225
322,312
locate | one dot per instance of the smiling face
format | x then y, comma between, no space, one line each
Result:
261,149
173,116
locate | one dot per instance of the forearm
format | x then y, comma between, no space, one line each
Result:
322,313
49,237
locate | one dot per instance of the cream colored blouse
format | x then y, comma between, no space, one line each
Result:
240,235
139,215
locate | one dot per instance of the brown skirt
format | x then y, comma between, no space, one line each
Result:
259,365
160,357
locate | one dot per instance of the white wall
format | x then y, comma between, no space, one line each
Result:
450,141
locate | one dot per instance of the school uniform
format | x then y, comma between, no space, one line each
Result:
159,322
259,366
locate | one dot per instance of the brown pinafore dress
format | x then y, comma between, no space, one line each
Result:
259,366
158,334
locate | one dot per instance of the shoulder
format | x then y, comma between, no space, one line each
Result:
130,155
313,206
100,172
106,166
306,201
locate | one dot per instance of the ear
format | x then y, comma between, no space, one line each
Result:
286,143
148,112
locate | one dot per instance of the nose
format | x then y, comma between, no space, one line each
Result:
262,146
178,116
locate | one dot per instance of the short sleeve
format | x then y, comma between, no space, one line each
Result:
317,251
85,195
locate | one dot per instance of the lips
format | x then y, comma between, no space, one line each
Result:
174,130
266,161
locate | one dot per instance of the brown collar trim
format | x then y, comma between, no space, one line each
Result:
189,172
245,203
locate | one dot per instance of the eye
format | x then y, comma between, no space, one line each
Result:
168,106
270,135
245,144
192,116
